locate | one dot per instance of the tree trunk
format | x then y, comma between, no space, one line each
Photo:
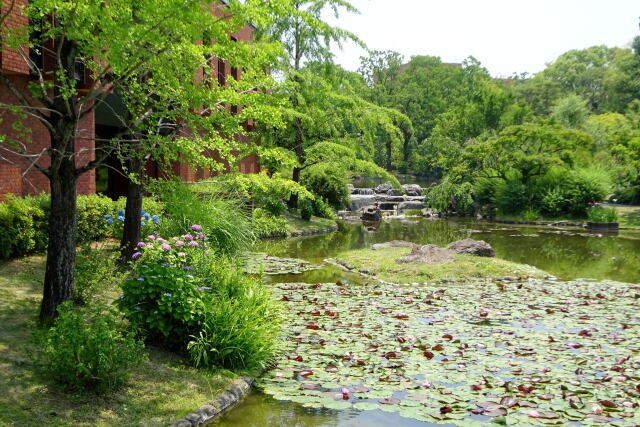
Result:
133,211
299,150
61,250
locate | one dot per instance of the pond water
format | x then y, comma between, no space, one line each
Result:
568,253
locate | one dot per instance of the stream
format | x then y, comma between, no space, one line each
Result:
567,253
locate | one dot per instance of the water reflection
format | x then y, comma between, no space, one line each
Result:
572,254
259,410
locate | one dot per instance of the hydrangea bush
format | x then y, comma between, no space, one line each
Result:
187,298
150,223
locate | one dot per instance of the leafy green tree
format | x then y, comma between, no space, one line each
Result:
147,52
571,111
530,150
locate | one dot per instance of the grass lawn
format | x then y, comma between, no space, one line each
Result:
383,263
162,389
629,216
296,224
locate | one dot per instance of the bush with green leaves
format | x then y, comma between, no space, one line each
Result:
451,197
322,209
182,292
599,213
97,273
266,225
25,222
306,210
88,349
329,183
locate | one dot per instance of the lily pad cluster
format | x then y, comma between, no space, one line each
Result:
519,353
257,262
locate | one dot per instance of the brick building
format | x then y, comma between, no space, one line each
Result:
18,177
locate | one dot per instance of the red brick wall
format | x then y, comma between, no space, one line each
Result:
37,139
10,60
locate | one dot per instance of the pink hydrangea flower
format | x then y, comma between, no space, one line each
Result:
165,247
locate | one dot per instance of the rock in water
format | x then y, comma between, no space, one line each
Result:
394,192
426,254
412,189
371,213
405,206
393,244
472,247
383,188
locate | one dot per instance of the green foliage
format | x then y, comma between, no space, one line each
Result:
226,220
328,182
97,273
25,222
511,196
24,225
266,225
571,111
306,210
599,213
241,324
322,209
451,197
268,192
530,214
88,349
182,293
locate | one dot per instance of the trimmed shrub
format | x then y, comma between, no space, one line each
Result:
450,197
88,349
23,222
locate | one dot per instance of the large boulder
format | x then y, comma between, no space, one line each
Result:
426,254
414,205
394,192
393,244
371,213
472,247
412,189
358,202
383,188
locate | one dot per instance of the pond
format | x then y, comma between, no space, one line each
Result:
567,253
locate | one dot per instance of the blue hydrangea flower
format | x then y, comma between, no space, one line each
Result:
142,223
187,267
109,221
156,219
142,212
146,216
140,279
108,216
120,212
168,295
121,218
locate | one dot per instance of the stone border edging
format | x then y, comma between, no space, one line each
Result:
221,404
315,232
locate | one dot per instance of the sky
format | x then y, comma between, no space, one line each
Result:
506,36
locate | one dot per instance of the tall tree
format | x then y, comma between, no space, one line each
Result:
147,52
306,37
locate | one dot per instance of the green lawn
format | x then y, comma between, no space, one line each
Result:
296,224
629,216
383,263
162,390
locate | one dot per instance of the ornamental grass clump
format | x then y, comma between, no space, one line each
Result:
598,213
185,297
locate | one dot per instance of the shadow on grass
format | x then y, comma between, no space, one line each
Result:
162,389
